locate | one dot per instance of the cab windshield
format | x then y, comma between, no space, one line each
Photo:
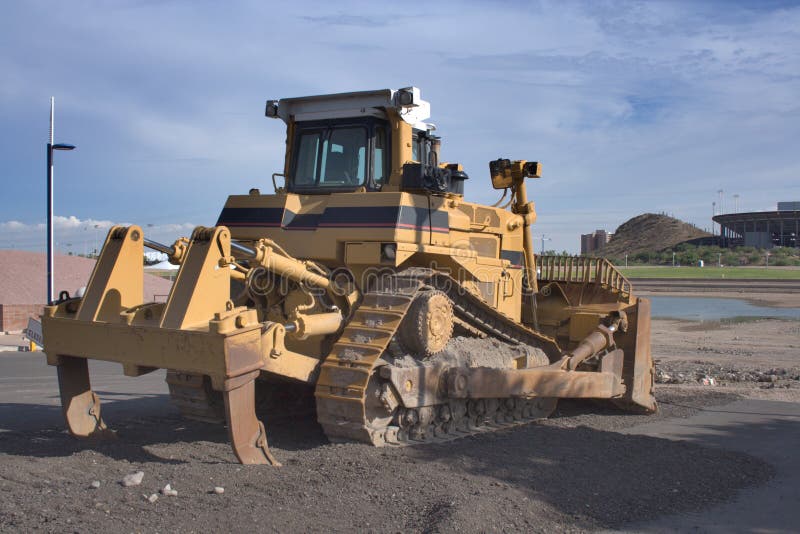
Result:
338,156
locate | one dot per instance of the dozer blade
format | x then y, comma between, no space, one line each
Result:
638,371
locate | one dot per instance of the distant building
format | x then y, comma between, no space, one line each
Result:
594,242
789,206
762,229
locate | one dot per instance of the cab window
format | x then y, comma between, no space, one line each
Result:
344,154
335,157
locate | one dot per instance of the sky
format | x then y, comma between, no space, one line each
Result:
631,107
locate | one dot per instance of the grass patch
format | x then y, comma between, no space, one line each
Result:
733,273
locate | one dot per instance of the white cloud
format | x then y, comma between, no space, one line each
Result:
79,236
632,107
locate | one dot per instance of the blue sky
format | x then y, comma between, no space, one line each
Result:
631,107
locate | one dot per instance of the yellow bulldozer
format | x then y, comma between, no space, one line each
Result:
367,285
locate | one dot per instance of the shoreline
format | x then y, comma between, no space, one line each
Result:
766,293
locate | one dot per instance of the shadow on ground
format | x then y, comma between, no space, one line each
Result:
144,426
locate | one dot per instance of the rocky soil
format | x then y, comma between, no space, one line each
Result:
739,357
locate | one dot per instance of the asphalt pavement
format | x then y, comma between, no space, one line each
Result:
768,430
29,392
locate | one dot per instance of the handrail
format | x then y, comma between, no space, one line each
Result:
583,270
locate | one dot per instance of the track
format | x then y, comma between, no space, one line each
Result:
353,401
195,399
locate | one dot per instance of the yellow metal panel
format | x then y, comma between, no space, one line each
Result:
117,281
202,287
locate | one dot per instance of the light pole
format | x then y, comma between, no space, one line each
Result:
96,252
543,240
713,224
736,203
50,148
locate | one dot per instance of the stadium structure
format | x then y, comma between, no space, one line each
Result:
762,229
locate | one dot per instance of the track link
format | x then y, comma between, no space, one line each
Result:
193,395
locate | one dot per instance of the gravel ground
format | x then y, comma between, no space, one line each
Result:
573,472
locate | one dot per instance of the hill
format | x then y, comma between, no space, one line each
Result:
650,232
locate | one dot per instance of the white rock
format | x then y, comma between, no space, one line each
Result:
219,490
168,491
152,498
95,484
133,479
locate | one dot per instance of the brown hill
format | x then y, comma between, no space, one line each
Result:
650,232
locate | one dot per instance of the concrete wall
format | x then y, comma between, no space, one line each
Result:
15,316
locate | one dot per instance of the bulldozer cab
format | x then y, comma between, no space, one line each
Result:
360,142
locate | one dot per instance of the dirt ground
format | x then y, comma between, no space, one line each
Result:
573,472
758,359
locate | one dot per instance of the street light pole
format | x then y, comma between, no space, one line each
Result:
713,213
50,206
50,148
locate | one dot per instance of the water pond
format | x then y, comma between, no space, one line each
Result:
715,309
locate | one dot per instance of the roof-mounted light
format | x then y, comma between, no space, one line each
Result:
407,97
272,109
